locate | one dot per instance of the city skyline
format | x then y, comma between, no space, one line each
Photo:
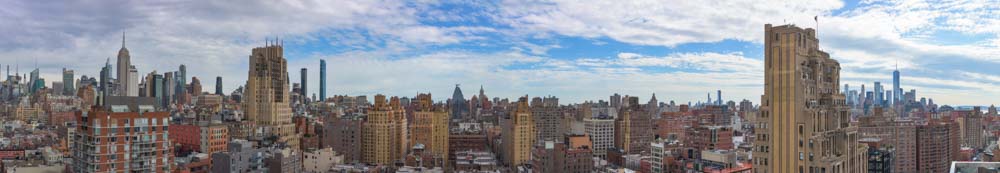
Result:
525,48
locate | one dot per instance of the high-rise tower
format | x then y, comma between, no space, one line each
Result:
322,80
218,85
805,125
303,78
266,98
124,62
519,134
897,91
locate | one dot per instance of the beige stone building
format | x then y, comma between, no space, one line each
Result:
265,100
384,133
804,121
518,134
430,127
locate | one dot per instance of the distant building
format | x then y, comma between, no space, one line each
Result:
710,138
218,85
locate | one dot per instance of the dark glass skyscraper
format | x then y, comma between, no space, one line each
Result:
322,80
304,85
218,85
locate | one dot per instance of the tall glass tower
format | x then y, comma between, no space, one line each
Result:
322,80
896,90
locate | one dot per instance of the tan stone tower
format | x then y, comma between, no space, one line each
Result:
266,99
430,127
518,134
384,133
804,125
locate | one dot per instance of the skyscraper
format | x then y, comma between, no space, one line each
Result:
805,124
322,80
897,91
105,89
718,97
458,106
305,85
124,62
218,85
879,94
132,83
266,98
181,82
68,88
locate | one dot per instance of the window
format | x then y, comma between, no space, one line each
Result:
802,156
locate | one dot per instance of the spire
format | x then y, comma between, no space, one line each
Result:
123,39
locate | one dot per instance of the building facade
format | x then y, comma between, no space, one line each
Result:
266,98
384,132
518,134
122,139
430,127
804,122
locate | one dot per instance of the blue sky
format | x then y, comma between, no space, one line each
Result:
680,50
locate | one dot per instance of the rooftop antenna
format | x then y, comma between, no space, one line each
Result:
123,38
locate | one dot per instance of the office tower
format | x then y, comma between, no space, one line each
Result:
123,67
519,134
632,127
68,87
897,91
458,106
804,119
266,96
104,88
322,80
169,83
571,154
718,100
181,87
218,85
136,133
132,83
601,130
305,86
992,111
430,127
33,81
343,134
879,94
384,132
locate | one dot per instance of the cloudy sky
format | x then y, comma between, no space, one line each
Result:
680,50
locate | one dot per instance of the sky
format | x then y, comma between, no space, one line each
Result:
576,50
